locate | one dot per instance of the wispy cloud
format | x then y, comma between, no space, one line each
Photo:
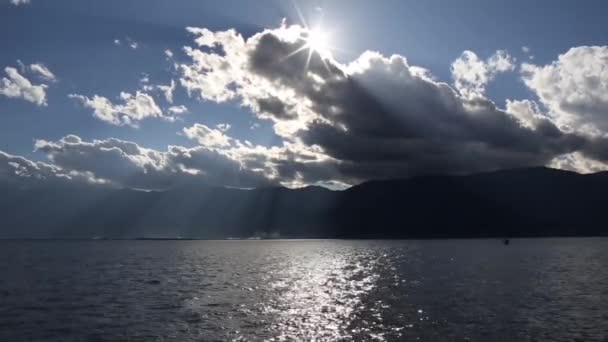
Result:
132,109
16,85
43,71
127,41
20,2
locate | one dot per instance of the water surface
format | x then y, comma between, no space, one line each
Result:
444,290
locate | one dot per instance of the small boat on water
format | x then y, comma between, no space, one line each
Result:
506,242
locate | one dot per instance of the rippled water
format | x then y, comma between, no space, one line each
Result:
478,290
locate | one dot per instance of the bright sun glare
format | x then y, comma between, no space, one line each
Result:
317,41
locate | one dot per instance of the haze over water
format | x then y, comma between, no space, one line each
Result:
449,290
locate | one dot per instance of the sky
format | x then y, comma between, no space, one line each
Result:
150,94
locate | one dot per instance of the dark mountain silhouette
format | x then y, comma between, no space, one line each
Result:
524,202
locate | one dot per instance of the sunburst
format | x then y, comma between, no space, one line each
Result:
316,40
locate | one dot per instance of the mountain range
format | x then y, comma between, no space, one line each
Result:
511,203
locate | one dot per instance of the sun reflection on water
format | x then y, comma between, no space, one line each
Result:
317,296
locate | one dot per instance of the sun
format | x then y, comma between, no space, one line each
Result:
313,39
317,41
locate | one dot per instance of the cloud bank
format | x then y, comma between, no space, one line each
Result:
376,117
126,164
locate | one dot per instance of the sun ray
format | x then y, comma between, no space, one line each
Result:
310,51
315,40
326,65
301,48
300,15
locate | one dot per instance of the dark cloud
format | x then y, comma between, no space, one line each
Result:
21,171
275,107
381,117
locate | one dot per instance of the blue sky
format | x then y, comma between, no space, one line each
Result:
76,41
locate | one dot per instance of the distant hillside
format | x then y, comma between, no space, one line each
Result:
524,202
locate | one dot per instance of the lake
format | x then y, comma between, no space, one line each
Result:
282,290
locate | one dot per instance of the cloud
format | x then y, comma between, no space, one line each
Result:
19,170
128,41
20,2
224,127
210,75
127,164
14,167
574,88
181,109
43,71
527,112
132,110
219,161
471,74
113,160
578,162
168,91
17,86
207,136
376,117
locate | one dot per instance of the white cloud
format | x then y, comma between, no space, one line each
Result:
128,41
527,112
525,49
133,108
181,109
20,2
17,86
210,75
574,88
578,162
471,74
224,127
207,136
127,164
168,91
43,71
